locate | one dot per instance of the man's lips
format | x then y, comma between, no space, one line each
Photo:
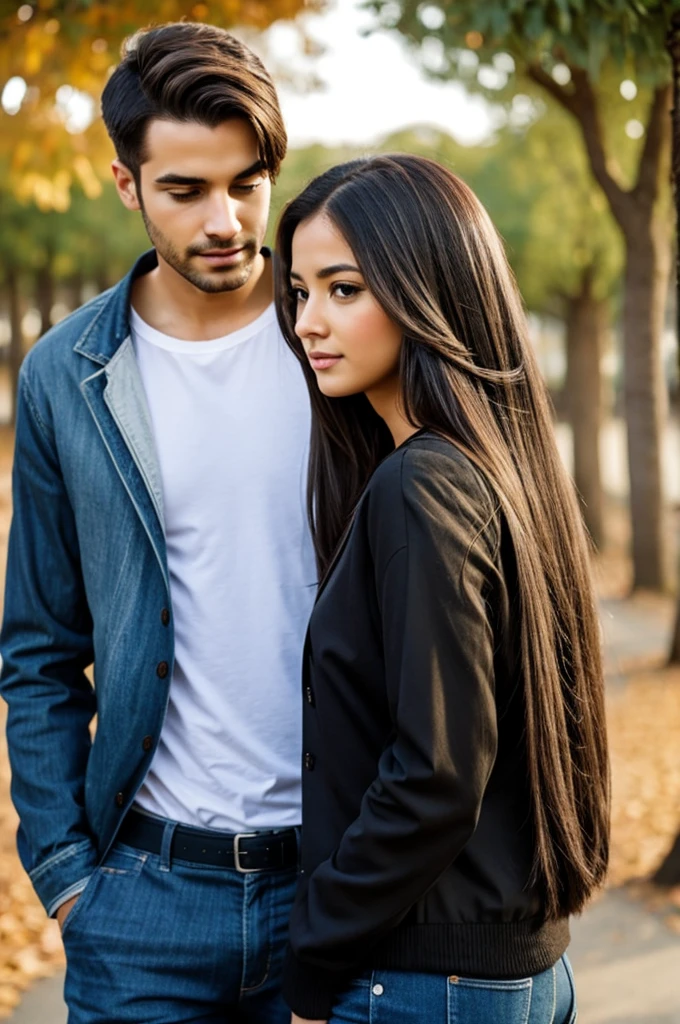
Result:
221,257
322,360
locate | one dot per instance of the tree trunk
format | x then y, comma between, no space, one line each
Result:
646,282
16,341
647,264
76,285
674,656
44,295
102,281
586,325
674,51
668,873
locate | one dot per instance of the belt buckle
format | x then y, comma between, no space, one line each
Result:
237,854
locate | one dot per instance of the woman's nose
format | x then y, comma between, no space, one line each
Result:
310,322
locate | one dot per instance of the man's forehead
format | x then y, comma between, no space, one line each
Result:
197,150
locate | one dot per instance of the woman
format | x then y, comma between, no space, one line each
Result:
455,791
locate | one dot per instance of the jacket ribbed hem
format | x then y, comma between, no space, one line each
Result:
517,949
310,991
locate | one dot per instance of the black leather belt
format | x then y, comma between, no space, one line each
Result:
243,851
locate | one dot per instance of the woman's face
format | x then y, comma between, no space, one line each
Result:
350,342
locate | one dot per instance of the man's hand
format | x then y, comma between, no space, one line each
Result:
303,1020
65,909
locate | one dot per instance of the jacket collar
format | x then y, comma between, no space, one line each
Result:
107,331
115,396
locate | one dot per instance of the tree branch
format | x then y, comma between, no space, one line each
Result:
581,103
537,74
657,139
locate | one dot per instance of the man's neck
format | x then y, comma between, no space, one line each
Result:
172,305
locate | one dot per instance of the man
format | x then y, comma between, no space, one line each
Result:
159,532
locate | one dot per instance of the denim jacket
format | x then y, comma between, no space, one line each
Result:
87,582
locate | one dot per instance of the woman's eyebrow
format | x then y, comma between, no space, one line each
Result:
337,268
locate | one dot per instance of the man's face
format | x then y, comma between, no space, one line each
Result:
204,197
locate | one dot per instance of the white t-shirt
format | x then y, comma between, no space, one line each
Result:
231,422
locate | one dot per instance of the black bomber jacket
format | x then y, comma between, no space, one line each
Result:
417,842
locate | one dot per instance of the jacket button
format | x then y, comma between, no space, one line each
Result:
309,695
309,762
162,669
147,743
120,799
165,616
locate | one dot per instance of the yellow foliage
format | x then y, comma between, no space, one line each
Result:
63,43
89,181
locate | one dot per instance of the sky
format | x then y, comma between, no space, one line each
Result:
373,86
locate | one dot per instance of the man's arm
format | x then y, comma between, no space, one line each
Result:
46,644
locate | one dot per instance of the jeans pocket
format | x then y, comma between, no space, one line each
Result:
123,860
353,1003
77,908
573,1014
482,1001
120,862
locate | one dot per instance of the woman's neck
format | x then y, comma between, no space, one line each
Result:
385,401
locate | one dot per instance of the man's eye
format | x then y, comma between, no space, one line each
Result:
183,197
247,189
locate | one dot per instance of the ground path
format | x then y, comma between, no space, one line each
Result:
625,957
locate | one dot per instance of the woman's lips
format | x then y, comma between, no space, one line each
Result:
322,360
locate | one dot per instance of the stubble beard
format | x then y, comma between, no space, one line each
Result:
221,280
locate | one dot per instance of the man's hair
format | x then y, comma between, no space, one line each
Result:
186,71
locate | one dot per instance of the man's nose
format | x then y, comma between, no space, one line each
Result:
223,218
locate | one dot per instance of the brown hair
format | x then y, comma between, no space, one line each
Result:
434,262
185,71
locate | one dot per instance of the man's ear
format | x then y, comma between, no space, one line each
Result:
126,185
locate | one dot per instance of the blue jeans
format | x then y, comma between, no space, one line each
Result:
157,942
402,997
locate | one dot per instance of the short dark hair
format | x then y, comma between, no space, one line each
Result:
185,71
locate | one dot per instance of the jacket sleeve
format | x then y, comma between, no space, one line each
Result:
46,644
424,803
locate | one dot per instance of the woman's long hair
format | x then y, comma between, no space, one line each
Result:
434,262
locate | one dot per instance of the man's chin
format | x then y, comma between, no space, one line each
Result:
222,280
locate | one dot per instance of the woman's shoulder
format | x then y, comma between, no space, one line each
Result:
429,488
428,465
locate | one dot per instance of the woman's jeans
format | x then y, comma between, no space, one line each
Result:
402,997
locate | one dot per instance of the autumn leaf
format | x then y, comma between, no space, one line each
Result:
55,44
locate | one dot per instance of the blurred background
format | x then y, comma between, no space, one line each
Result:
558,113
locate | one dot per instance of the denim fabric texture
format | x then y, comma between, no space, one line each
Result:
152,941
86,581
401,997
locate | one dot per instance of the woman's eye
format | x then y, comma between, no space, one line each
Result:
345,291
299,294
